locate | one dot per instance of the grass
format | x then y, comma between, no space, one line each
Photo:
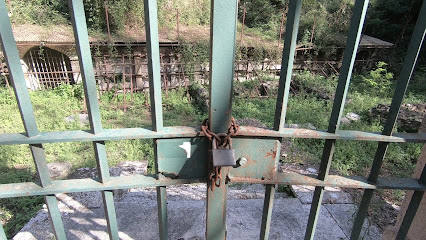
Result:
52,107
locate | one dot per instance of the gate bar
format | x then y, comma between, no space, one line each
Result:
81,36
141,181
403,81
26,110
412,209
154,75
357,22
189,132
290,42
223,25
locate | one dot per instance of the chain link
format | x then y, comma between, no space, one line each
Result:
223,139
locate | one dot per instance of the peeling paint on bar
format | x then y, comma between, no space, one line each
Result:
185,132
142,181
85,185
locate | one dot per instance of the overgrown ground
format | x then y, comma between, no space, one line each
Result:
351,157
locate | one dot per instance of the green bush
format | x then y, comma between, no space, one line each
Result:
378,81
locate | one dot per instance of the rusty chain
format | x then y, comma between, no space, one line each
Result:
223,139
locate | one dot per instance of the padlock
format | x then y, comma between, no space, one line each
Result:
223,157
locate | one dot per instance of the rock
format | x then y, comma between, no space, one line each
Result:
83,118
59,169
409,118
250,122
69,119
344,120
93,173
133,168
353,116
200,95
301,125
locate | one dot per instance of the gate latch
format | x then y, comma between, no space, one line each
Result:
223,157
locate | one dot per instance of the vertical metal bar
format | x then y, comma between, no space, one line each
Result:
289,50
223,27
10,51
292,26
415,201
154,67
55,216
409,215
267,211
85,60
352,43
154,74
2,233
403,81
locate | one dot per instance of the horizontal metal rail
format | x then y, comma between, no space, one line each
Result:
185,132
336,181
155,180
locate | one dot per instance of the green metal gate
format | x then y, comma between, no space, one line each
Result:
259,146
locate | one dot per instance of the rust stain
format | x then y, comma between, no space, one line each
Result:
271,154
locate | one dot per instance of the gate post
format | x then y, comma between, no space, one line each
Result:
222,54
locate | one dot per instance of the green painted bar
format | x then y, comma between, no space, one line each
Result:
336,181
154,73
327,157
222,44
141,181
85,61
81,36
403,81
2,233
189,132
11,55
55,217
290,42
267,211
84,185
415,202
101,159
108,200
16,74
409,215
162,212
352,43
21,93
223,27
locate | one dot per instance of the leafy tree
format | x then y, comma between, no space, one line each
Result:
393,20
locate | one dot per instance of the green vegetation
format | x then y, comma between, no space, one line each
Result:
51,108
305,106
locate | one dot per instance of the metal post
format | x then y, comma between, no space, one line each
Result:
223,23
354,36
404,78
289,50
154,74
16,74
81,36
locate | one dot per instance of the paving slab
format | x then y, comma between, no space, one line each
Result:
344,215
138,220
331,195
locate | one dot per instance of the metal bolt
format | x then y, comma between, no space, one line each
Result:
242,161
